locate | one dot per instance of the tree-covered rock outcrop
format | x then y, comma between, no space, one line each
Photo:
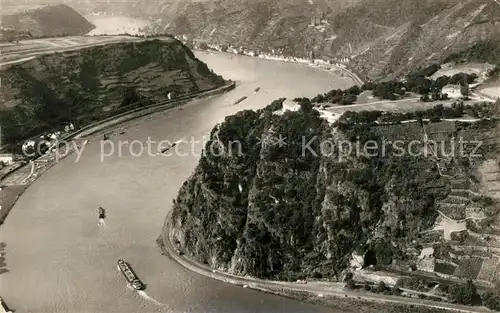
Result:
301,207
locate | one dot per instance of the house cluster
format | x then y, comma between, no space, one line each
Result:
277,54
453,91
6,159
41,144
315,21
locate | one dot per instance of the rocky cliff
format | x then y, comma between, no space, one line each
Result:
305,205
93,83
46,21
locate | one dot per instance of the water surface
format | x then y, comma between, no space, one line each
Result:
61,260
115,25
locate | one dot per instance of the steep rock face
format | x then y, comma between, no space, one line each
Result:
53,20
94,83
303,207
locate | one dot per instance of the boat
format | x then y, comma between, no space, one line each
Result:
131,277
239,100
169,147
102,213
3,307
256,89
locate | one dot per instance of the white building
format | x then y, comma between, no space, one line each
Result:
7,158
289,105
453,91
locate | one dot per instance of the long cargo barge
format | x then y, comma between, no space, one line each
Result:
131,277
240,100
3,307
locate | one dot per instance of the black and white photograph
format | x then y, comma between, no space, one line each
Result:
249,156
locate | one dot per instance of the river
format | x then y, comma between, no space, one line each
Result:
115,25
59,258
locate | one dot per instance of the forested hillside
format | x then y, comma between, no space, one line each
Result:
301,209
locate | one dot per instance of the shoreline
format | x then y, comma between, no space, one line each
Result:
14,191
315,63
315,292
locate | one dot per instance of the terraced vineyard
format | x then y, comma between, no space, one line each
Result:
85,86
468,221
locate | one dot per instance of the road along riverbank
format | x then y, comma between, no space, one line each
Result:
312,291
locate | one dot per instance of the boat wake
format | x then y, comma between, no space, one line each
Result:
145,296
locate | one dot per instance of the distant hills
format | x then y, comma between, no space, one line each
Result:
47,21
94,83
379,36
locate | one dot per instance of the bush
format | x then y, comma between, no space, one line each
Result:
367,286
495,72
464,293
350,284
396,291
381,287
349,276
491,300
342,97
426,71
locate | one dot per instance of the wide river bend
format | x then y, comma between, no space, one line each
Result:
60,260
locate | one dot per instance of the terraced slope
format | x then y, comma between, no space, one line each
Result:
93,83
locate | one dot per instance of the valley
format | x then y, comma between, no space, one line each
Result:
384,232
130,233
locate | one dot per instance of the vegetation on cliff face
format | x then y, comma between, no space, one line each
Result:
486,51
302,208
95,83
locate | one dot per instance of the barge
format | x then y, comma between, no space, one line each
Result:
240,100
131,277
102,213
168,148
3,307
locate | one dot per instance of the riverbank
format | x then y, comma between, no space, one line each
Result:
315,63
17,181
331,294
330,65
